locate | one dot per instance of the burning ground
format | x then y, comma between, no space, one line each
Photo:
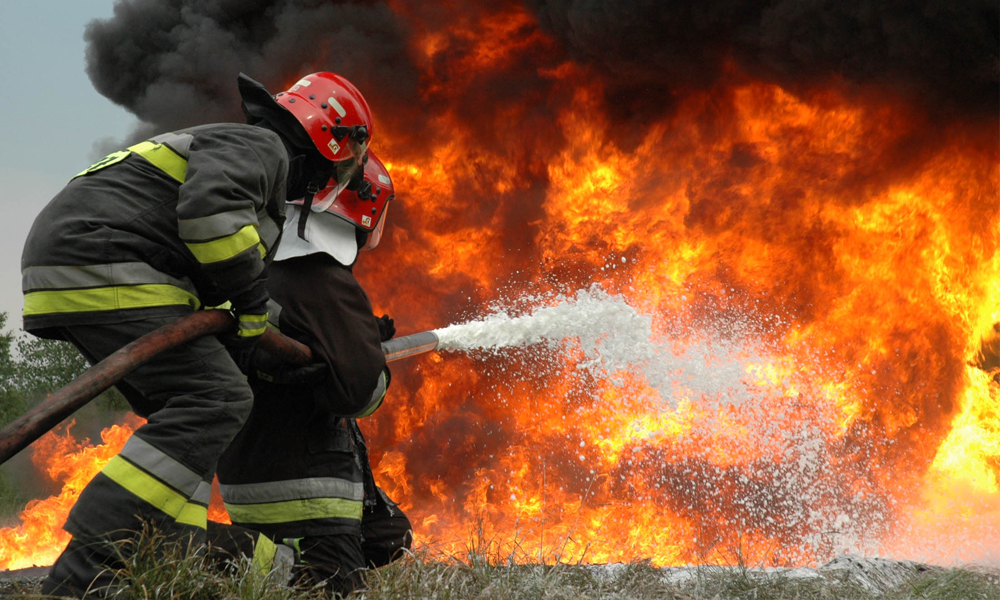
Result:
801,198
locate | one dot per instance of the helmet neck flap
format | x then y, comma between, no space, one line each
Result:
325,233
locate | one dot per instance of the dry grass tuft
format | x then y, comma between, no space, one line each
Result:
153,569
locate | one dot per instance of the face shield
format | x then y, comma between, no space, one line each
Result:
345,171
375,235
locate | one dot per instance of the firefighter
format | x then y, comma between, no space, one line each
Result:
154,232
298,471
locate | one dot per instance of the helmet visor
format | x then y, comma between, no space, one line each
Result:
375,236
344,171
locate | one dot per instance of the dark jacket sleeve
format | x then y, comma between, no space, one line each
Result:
233,174
324,306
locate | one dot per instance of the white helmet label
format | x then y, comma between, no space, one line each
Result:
384,179
337,106
334,146
366,221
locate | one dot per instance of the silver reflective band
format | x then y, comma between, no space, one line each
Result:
292,489
274,313
284,560
178,142
268,231
203,495
215,226
152,460
65,277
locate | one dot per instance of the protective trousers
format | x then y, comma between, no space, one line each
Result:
335,563
195,400
338,561
228,544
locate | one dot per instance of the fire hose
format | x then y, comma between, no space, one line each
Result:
20,433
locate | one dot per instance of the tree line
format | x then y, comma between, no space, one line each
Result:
31,367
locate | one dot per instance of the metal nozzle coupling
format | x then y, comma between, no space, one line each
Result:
409,345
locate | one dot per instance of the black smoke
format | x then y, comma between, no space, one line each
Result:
173,63
940,54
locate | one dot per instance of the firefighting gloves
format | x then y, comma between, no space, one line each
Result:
250,309
386,328
267,367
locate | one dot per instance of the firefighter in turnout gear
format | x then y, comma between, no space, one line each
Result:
184,220
298,471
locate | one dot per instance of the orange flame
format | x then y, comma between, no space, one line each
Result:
854,259
821,266
39,539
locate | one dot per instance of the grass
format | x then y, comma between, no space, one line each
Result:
152,570
12,502
419,577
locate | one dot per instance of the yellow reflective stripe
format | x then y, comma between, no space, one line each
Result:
108,160
194,515
263,554
107,298
158,155
226,247
252,325
156,493
251,332
296,510
163,158
371,409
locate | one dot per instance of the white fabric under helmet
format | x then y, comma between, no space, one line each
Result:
325,232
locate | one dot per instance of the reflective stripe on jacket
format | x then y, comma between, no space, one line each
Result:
177,221
161,481
90,288
291,500
292,471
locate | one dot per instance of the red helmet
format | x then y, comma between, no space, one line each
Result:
334,114
365,206
322,110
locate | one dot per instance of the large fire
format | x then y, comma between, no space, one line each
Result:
828,262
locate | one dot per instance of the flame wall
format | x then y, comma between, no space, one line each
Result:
816,235
869,274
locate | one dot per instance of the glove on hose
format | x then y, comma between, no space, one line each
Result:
386,328
250,309
265,366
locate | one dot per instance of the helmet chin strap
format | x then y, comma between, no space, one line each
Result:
307,201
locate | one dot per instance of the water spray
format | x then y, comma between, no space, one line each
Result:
593,317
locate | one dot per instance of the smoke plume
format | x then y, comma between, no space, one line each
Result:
941,54
174,63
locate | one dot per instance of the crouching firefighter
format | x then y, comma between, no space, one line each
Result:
152,233
298,471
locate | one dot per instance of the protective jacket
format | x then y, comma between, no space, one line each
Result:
297,466
182,220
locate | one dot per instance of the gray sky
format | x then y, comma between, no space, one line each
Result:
51,118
